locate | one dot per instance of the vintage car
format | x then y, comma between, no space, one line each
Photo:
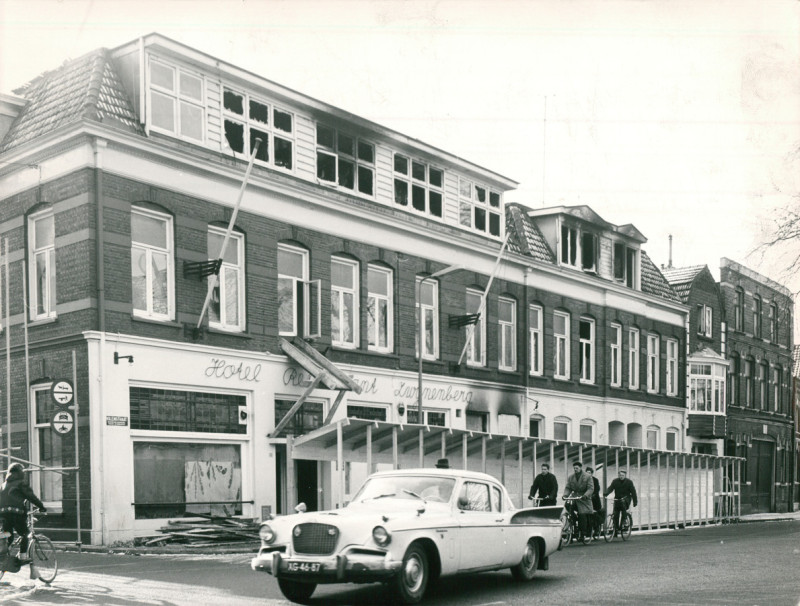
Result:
407,528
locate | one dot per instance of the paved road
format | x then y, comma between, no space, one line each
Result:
749,564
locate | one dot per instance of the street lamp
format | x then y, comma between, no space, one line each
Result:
421,345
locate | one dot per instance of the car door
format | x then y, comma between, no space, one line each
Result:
480,528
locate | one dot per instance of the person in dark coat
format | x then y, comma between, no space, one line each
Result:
624,493
580,485
597,505
546,485
13,494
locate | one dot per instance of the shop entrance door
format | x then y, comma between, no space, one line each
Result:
762,466
307,482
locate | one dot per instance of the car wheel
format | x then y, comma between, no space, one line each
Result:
297,592
412,580
566,531
527,566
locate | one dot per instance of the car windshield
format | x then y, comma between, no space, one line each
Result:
429,488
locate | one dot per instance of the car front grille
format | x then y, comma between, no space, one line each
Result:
314,539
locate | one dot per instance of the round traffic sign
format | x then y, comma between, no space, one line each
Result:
62,422
62,392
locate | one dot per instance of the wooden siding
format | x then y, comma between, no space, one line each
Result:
305,147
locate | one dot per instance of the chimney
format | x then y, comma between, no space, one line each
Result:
670,252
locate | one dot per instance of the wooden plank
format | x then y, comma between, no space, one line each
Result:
335,374
295,407
336,403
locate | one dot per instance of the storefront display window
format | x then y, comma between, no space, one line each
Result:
174,410
307,418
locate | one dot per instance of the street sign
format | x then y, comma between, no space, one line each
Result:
62,422
117,421
62,392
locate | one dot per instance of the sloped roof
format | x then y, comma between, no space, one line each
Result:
681,278
87,88
654,283
525,237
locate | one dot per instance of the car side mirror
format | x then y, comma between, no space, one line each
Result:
463,503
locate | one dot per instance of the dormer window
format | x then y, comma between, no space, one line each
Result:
418,183
625,264
479,207
345,160
248,118
578,246
569,246
176,101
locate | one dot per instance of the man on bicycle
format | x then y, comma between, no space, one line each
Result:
13,494
580,485
624,492
547,486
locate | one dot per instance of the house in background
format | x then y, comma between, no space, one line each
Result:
796,418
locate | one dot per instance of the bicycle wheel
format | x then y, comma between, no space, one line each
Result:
43,556
608,528
566,530
627,526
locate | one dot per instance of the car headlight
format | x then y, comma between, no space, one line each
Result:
381,536
266,533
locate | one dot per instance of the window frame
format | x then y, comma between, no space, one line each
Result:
177,96
237,239
587,350
763,385
590,425
748,380
653,430
411,182
738,309
615,350
148,249
341,156
705,323
777,392
37,429
340,293
479,328
757,317
671,433
49,254
561,348
507,335
420,283
633,358
773,322
673,356
305,285
625,264
470,204
566,422
653,363
377,298
536,340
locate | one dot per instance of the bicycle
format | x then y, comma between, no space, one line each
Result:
41,554
570,526
609,528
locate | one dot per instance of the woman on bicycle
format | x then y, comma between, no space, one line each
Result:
624,491
13,494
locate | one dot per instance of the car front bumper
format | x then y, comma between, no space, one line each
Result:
351,567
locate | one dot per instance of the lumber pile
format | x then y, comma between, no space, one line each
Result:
211,530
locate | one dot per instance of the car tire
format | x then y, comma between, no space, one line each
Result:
566,531
295,591
412,579
529,563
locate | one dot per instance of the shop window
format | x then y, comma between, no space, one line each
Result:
633,358
672,367
344,160
476,351
536,340
344,302
186,411
176,101
480,208
562,345
427,313
507,334
586,336
380,309
174,480
422,182
247,118
371,413
226,310
437,418
47,449
653,370
298,297
616,355
308,418
152,265
42,268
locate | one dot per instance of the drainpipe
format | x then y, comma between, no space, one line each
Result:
97,446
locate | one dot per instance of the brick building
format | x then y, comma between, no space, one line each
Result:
759,318
796,416
120,172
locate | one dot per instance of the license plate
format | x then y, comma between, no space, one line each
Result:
303,567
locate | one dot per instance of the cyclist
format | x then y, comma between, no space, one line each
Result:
624,492
547,486
13,494
580,485
597,505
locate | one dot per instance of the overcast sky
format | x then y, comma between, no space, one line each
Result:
682,118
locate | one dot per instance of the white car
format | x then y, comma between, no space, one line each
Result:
407,528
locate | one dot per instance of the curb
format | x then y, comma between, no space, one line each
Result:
221,549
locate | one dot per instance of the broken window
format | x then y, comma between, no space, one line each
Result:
242,130
569,245
624,264
425,183
345,160
588,251
473,210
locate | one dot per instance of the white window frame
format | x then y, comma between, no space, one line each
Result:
374,301
423,282
300,283
587,351
777,377
507,334
773,322
566,422
476,352
340,154
47,253
248,122
569,253
758,310
705,320
36,429
536,339
149,250
236,240
672,367
179,98
478,200
340,293
633,358
429,188
561,353
763,387
653,363
616,355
